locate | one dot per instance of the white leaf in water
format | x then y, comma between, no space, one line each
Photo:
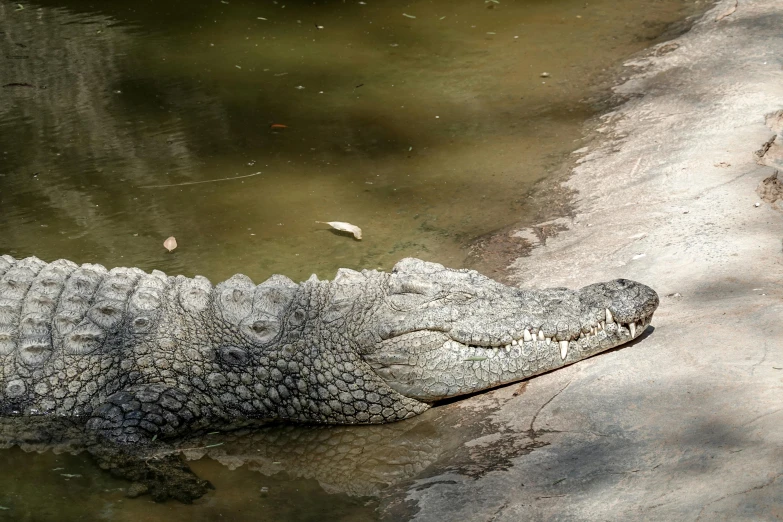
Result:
345,227
170,244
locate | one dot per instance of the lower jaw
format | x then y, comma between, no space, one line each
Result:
461,369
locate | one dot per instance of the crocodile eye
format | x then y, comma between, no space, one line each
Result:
412,285
460,297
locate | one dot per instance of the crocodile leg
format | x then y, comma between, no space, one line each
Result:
143,413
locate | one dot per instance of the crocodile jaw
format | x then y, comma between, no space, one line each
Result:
430,365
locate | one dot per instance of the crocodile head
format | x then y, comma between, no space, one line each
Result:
444,333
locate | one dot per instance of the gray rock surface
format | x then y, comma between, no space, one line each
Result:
685,425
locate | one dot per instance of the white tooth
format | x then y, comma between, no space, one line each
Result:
548,340
609,318
495,350
563,349
540,335
526,336
508,348
581,335
593,330
514,342
632,327
602,325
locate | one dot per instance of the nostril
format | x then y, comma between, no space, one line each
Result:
260,327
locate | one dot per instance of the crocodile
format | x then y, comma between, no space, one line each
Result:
138,356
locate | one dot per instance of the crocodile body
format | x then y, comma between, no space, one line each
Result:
141,355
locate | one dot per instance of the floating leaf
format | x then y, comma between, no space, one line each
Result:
170,244
278,126
344,227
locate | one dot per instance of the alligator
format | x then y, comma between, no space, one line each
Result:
138,356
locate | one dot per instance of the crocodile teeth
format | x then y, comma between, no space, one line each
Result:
548,340
563,349
632,327
609,318
508,348
540,335
526,336
582,335
495,350
514,342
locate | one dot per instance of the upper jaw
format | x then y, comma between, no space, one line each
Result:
616,311
608,328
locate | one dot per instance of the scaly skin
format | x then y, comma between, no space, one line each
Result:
140,355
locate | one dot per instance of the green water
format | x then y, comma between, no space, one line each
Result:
425,132
425,123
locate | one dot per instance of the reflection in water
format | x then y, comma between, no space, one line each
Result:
357,461
70,147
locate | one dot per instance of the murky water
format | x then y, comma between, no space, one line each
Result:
236,125
116,121
49,487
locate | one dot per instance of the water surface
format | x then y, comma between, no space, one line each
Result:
117,118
